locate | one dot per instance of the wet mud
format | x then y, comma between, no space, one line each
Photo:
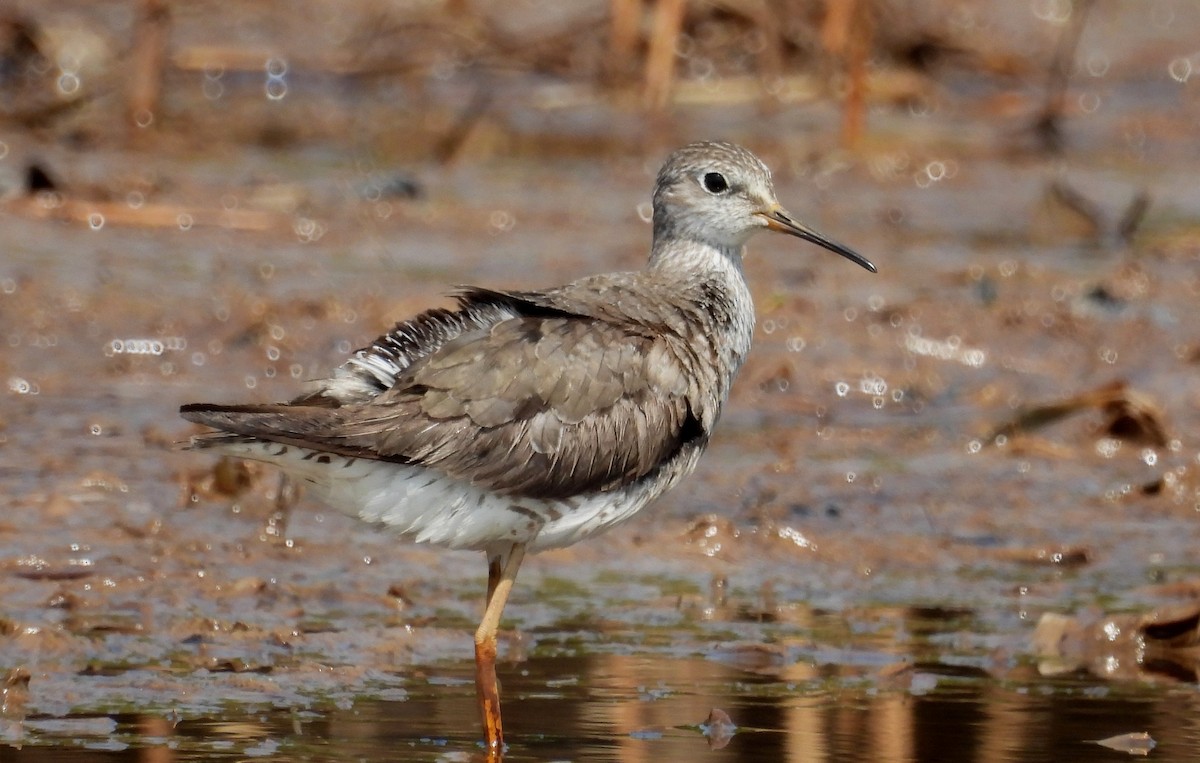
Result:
949,514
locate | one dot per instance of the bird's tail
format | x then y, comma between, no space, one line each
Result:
243,423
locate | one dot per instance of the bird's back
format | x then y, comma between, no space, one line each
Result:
533,394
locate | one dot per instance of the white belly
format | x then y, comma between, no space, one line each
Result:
428,507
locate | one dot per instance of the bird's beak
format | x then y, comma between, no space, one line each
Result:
779,220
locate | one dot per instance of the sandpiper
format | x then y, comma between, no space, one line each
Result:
527,420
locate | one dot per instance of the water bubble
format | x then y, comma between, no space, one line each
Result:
841,389
21,386
1149,456
1053,11
1097,64
1162,15
276,89
309,230
1180,69
276,85
185,221
272,353
212,88
135,199
1089,103
920,107
143,118
96,221
295,370
685,45
1108,446
878,403
973,358
8,285
250,382
49,199
974,446
343,347
850,314
796,344
266,270
768,326
443,68
502,220
198,358
872,385
700,68
68,83
1108,355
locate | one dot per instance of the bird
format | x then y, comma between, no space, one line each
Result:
520,421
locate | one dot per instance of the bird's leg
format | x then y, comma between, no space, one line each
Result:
287,493
501,574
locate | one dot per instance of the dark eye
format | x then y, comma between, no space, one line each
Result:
715,182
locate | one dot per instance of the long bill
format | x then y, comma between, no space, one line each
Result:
779,220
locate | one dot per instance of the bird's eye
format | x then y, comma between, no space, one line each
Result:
715,182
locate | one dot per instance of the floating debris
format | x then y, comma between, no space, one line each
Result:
1134,743
1162,644
1130,415
719,728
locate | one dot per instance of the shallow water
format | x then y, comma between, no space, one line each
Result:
630,708
858,568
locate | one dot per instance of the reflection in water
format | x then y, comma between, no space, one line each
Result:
643,710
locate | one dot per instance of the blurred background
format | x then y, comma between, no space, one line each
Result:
950,510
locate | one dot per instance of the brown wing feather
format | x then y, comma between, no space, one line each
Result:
546,406
537,406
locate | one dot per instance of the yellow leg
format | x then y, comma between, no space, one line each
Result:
500,582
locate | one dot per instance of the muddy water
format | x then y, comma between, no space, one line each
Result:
856,572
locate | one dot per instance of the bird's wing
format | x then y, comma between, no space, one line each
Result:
373,369
540,405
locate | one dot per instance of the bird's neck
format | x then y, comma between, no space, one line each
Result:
688,257
713,276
